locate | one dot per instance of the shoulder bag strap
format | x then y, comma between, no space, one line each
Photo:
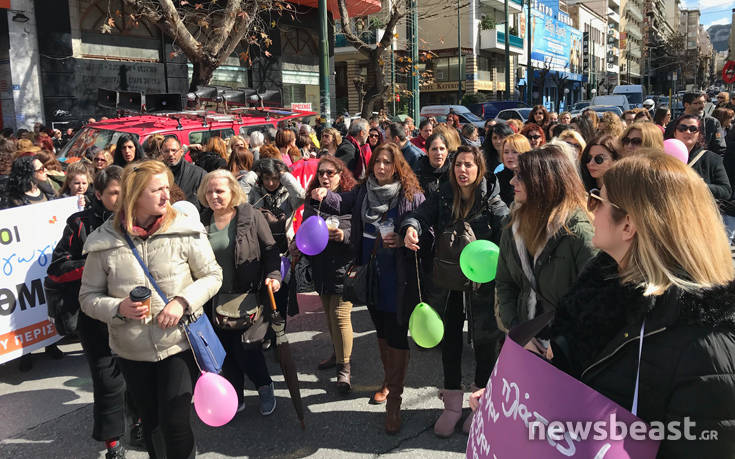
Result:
634,409
145,269
696,158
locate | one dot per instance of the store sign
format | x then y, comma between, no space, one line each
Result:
301,106
556,45
484,85
440,87
585,52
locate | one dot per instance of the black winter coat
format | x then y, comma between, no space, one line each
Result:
8,202
507,194
67,262
210,161
431,179
256,255
348,153
712,170
329,267
687,364
188,177
486,219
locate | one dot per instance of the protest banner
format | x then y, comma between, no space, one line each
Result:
28,236
532,409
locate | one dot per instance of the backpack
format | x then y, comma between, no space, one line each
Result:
449,244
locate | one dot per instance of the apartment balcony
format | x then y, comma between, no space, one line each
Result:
634,11
612,16
633,31
614,2
634,52
514,6
494,40
371,37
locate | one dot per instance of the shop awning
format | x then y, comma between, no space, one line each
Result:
354,7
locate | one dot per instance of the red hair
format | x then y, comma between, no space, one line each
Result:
530,127
346,181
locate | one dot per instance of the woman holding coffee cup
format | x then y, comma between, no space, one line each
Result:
330,266
246,251
153,350
470,199
390,191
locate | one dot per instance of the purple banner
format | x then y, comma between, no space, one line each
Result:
531,409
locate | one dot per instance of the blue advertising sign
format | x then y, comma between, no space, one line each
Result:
555,44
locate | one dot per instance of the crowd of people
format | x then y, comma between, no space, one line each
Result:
603,234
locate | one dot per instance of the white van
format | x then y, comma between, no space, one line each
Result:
634,93
618,100
440,112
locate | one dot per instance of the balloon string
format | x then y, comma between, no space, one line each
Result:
418,278
319,209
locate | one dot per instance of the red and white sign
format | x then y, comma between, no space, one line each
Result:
728,72
301,106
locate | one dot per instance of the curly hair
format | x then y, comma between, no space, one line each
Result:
533,127
346,181
409,182
21,176
7,152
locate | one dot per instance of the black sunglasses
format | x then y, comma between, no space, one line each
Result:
637,142
598,159
328,172
374,135
594,199
684,128
534,137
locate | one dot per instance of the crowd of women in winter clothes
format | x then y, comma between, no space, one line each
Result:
599,230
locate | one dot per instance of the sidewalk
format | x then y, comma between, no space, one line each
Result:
48,411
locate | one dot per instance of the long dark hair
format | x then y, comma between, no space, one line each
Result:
605,141
20,179
585,127
671,129
460,208
240,160
532,118
269,166
118,159
409,182
346,180
553,192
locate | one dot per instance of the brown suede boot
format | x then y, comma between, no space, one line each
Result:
380,396
343,378
396,372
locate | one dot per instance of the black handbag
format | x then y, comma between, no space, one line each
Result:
62,300
361,281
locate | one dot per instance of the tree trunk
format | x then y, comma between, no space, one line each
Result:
377,89
201,73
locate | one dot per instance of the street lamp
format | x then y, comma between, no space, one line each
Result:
566,97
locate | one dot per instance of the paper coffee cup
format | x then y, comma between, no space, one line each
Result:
142,294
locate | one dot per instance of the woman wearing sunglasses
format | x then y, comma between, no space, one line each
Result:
709,165
329,267
547,241
599,155
640,135
664,272
535,134
375,138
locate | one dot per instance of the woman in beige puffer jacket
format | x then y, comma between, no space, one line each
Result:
154,353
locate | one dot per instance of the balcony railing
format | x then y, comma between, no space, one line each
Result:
634,11
369,36
514,40
633,30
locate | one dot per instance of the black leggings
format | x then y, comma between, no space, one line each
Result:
107,379
454,316
388,328
239,359
162,392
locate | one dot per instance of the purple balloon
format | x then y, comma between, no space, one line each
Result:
285,266
312,236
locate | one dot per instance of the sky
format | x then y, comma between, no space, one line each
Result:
713,11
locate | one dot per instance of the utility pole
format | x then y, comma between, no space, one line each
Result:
413,37
529,67
507,53
324,102
393,76
459,57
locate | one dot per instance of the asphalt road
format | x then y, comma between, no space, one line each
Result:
47,412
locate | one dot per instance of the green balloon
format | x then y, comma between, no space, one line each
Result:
427,328
479,261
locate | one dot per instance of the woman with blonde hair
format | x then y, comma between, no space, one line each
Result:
331,140
246,251
575,140
640,135
650,323
610,124
547,241
451,135
152,349
513,146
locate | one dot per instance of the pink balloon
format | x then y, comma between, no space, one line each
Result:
215,400
677,149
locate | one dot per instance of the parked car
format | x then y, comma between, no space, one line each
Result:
616,100
581,105
514,114
633,92
489,110
464,114
600,109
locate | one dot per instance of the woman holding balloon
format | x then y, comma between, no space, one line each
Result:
153,351
547,241
329,267
378,206
467,208
246,251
